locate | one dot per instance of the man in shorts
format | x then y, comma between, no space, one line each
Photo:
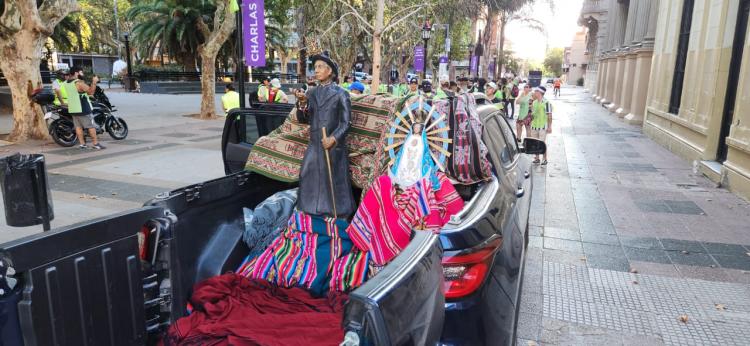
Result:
79,106
541,119
557,85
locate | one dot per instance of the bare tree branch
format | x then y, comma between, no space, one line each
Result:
356,14
30,17
51,13
393,24
404,10
333,25
10,21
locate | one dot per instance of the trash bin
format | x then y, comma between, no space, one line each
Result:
26,195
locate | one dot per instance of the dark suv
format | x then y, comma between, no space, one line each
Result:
123,279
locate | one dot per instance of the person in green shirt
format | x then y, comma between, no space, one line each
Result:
523,120
413,87
396,88
444,90
426,89
541,119
61,95
494,95
263,89
347,83
79,106
367,81
230,100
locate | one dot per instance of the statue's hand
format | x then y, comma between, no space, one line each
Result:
328,142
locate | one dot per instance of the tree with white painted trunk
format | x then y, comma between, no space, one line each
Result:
24,27
223,25
379,27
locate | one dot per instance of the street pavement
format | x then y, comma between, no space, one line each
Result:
628,244
166,149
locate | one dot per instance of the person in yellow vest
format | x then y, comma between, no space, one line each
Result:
263,89
275,93
541,119
444,90
79,106
61,96
413,87
357,88
230,100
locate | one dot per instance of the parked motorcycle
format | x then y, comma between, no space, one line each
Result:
60,123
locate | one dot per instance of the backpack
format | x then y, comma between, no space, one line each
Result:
514,91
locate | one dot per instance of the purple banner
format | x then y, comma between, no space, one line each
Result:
473,66
418,58
254,32
491,69
443,59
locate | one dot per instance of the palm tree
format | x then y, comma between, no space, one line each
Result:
170,25
62,34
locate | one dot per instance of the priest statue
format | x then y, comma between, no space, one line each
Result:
325,186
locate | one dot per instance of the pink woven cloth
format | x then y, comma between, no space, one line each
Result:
385,219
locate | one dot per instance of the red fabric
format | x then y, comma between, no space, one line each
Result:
231,309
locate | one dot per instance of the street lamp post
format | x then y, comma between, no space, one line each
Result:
240,59
426,34
471,57
478,52
130,66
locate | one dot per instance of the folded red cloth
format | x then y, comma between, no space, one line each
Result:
231,309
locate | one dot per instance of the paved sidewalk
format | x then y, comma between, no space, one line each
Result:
164,150
628,245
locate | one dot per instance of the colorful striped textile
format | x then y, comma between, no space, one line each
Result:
386,217
279,154
468,162
305,254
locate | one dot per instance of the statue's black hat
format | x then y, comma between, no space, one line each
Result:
326,59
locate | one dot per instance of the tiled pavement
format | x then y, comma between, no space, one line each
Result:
164,150
627,244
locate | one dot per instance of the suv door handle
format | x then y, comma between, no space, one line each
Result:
520,191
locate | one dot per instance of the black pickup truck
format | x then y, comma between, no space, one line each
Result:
123,279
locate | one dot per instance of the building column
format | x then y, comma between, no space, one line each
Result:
617,87
641,76
600,77
648,13
609,90
626,95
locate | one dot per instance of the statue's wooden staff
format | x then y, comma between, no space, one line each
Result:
330,176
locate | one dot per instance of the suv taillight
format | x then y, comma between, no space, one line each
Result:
464,272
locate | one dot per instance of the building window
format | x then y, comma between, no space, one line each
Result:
682,50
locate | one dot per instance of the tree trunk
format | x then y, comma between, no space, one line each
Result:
376,36
19,61
189,61
224,24
208,86
501,48
79,35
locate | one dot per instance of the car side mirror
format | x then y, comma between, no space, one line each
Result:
533,146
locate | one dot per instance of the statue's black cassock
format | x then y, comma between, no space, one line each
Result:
327,106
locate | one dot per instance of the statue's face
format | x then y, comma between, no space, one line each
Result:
323,72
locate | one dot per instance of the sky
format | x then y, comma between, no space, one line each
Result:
561,28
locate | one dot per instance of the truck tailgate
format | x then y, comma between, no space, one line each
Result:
80,284
404,303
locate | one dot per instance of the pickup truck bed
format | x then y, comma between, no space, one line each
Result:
121,280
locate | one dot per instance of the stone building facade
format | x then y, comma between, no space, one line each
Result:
575,59
594,19
625,55
699,94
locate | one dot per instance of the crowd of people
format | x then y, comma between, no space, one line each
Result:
514,97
